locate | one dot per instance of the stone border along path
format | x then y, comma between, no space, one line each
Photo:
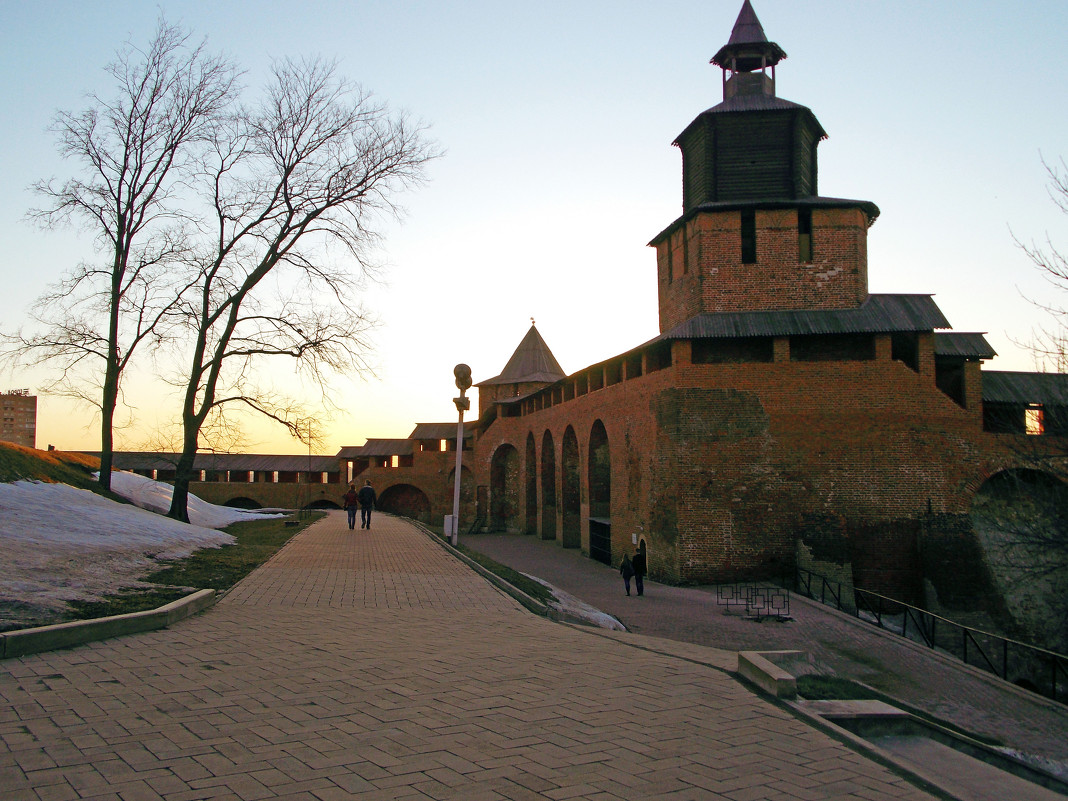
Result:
374,665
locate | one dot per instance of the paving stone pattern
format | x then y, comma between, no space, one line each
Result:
916,676
374,665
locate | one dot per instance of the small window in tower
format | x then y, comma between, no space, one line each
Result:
749,236
804,235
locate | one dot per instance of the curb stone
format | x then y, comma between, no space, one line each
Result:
22,642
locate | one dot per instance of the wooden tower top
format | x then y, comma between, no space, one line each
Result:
753,146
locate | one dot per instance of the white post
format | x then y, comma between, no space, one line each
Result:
463,403
456,482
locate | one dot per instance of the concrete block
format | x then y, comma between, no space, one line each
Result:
760,668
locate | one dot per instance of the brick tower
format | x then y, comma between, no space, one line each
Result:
754,234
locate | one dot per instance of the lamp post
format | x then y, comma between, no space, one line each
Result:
463,403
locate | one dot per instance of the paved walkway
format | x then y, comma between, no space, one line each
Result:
374,665
971,699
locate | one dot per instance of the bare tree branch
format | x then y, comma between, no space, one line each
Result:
131,152
318,162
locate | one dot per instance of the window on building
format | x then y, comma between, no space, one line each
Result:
904,347
804,235
1034,420
749,250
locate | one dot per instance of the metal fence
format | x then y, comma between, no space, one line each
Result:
1036,669
759,600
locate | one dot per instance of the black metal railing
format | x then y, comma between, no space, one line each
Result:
1037,669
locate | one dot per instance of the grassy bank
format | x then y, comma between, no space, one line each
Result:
534,589
58,467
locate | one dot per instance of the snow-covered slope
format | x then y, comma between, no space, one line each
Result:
58,543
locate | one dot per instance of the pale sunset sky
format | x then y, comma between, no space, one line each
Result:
556,119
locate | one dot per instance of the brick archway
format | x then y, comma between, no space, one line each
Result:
405,500
530,480
504,489
571,491
599,478
548,487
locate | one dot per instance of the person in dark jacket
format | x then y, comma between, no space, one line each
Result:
351,502
638,563
626,569
367,503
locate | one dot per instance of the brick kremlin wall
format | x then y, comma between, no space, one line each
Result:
723,469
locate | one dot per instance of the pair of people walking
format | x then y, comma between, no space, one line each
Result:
365,500
634,568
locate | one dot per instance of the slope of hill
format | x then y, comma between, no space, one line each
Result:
63,539
63,467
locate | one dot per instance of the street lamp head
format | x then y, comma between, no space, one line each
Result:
463,377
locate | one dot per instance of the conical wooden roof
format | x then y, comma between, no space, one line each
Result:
532,362
748,47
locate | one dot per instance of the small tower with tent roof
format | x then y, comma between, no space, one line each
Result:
530,368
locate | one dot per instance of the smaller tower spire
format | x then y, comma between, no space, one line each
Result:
748,50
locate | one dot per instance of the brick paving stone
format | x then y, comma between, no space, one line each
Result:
377,665
671,618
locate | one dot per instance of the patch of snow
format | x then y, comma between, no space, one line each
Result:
59,543
156,497
574,608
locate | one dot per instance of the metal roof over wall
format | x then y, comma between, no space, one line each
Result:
267,463
380,447
880,314
960,343
1048,389
437,431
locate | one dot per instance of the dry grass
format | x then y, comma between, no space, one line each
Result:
18,463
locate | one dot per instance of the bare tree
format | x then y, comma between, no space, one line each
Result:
1023,512
1049,343
132,153
313,166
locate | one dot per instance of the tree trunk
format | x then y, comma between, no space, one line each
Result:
108,401
183,474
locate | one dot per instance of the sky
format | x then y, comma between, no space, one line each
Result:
556,120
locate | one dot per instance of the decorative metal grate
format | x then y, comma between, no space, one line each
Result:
767,601
759,600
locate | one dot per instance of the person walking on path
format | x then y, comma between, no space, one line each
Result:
626,569
351,501
638,563
367,502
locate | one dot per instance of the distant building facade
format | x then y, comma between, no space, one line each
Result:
18,417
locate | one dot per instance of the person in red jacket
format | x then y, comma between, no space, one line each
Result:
351,501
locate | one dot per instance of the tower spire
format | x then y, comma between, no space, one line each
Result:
747,51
